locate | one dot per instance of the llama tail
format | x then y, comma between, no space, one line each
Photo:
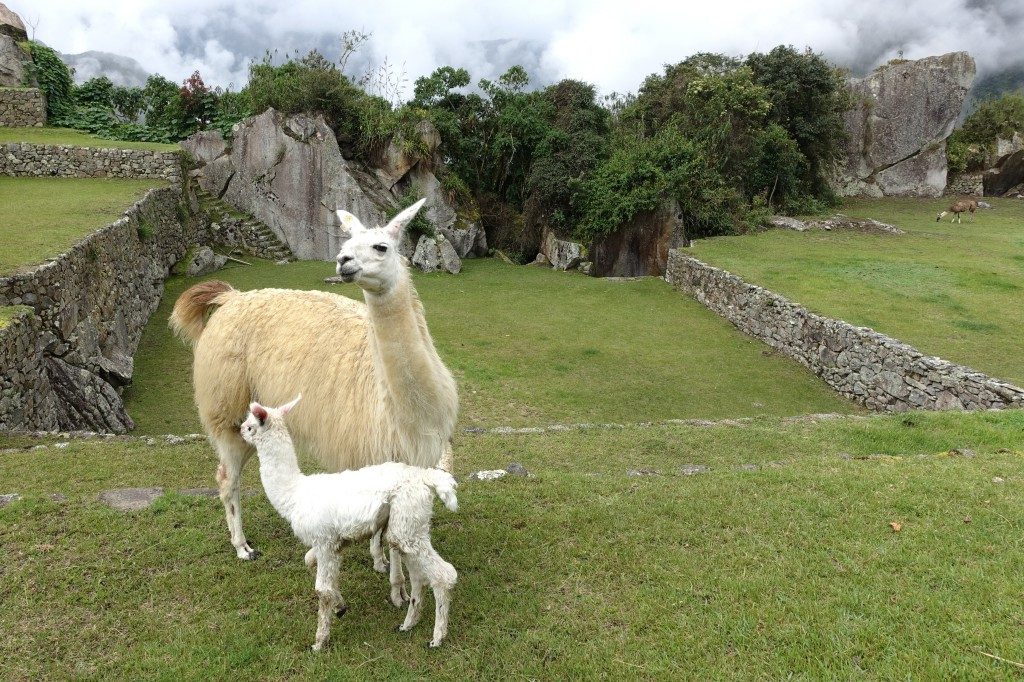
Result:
189,315
444,485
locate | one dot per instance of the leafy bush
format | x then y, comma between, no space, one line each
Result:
54,78
969,145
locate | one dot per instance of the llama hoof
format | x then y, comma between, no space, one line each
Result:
402,628
383,567
434,645
398,599
247,553
317,646
342,610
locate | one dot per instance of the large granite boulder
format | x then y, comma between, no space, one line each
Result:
289,173
11,24
901,116
12,70
1005,176
436,253
640,247
562,253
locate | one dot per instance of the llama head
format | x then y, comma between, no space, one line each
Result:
940,216
370,257
262,419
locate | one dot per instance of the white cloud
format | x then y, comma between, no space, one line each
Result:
611,43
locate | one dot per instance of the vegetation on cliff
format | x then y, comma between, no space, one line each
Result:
969,145
726,139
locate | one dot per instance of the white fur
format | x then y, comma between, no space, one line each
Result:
377,391
327,511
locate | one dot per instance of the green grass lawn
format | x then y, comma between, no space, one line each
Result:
49,215
950,290
75,137
534,346
778,562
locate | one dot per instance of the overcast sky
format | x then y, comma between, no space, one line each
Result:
613,44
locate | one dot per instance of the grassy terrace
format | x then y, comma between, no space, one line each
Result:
779,561
51,214
950,290
75,137
532,346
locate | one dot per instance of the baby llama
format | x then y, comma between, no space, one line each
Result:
329,511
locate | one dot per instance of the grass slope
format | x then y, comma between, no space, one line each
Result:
778,562
75,137
534,346
950,290
46,216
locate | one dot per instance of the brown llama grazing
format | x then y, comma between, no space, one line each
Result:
957,208
375,389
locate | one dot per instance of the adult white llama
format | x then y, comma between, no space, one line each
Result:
375,389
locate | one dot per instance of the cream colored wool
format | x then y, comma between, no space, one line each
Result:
375,389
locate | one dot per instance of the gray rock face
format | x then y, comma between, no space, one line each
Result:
640,247
11,24
787,223
289,173
436,253
469,242
902,114
12,73
204,262
562,254
1006,176
205,146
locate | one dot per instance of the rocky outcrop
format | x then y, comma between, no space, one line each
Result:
640,247
1005,176
561,254
204,261
901,116
289,173
12,32
436,253
67,357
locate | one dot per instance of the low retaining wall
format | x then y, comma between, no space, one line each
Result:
871,368
65,364
22,107
23,159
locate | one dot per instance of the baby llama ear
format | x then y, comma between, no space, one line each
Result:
394,228
259,412
287,407
349,222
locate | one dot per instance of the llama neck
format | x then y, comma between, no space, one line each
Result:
415,379
280,473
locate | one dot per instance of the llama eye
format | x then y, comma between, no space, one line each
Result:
383,248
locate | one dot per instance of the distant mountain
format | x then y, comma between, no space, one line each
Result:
118,68
993,85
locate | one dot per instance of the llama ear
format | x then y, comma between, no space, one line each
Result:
259,412
287,407
350,222
394,228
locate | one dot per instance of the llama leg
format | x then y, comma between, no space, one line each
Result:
233,454
447,460
310,560
442,576
398,594
330,601
377,552
418,581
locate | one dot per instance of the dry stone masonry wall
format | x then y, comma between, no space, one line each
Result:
64,363
870,368
22,107
21,159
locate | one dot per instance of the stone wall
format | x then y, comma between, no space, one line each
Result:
65,365
869,368
21,159
22,107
